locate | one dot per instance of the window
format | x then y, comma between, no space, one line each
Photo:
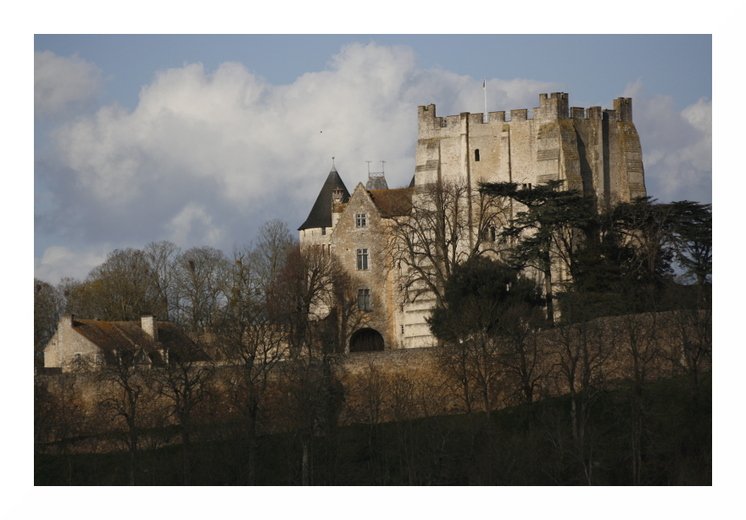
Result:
323,231
476,155
526,185
361,220
363,300
490,234
362,259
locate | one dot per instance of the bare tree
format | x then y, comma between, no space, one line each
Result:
253,343
125,392
48,304
201,277
160,257
582,351
640,332
120,289
184,383
301,301
523,355
691,351
268,255
59,417
449,223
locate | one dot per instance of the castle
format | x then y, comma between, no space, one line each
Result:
592,150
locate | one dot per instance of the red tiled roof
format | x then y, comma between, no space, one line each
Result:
393,203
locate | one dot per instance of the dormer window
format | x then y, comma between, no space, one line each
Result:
361,220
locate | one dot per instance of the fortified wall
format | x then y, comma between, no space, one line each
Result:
410,383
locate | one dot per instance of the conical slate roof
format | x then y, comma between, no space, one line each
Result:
321,213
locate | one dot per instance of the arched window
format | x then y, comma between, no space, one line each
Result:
476,155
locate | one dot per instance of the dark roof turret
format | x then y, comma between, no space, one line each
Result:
321,213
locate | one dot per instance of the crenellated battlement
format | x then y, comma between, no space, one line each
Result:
552,107
623,107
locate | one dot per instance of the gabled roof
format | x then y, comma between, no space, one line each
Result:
321,213
393,203
121,336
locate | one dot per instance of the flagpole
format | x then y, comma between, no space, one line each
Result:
485,117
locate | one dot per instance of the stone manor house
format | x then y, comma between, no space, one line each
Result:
592,150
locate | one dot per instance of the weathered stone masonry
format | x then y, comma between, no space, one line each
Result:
593,150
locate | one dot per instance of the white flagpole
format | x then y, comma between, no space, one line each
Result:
485,117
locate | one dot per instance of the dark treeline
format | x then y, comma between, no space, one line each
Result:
278,320
434,450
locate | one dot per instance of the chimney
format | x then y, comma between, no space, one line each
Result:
150,326
67,320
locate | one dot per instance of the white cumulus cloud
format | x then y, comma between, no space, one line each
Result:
207,156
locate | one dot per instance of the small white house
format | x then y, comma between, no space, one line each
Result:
90,344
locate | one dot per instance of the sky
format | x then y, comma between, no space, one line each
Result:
201,139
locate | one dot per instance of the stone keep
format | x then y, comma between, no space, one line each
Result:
592,150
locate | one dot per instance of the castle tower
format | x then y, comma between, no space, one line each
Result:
594,151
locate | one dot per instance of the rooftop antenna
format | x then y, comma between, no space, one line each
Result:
485,116
382,163
369,167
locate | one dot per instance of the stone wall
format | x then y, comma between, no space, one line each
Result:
410,383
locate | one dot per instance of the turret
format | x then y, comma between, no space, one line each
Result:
553,107
321,213
623,107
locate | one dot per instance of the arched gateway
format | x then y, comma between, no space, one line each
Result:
365,340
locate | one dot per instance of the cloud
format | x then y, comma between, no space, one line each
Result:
677,145
194,219
57,262
62,84
207,156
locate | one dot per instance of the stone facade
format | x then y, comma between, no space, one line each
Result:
592,150
595,151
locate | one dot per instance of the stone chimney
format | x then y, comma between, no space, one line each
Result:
150,326
67,320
